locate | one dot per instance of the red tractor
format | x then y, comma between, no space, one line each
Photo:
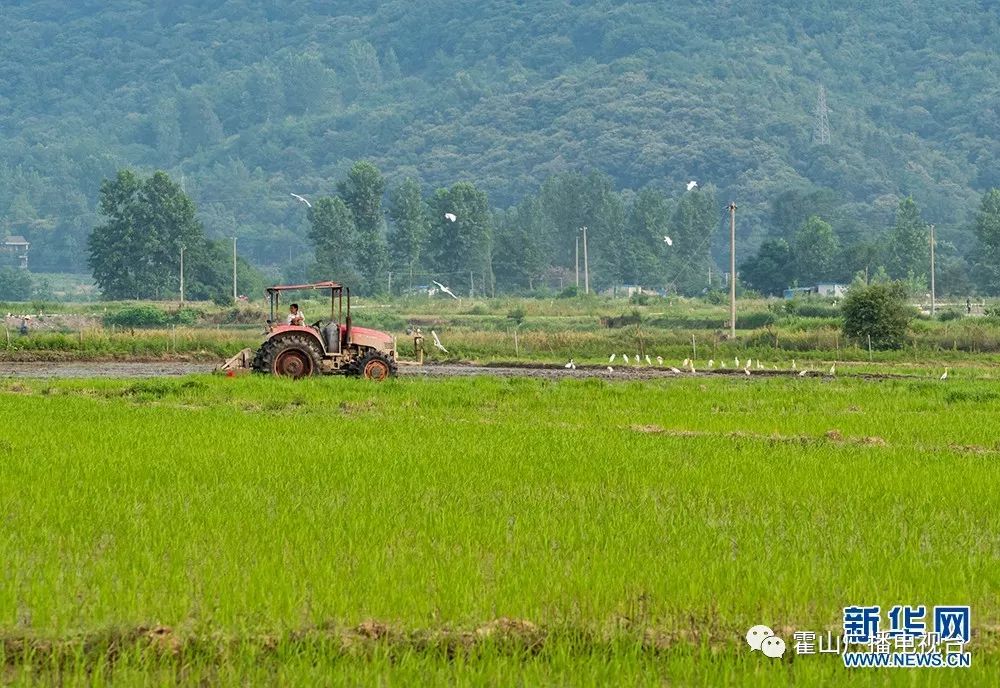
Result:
332,347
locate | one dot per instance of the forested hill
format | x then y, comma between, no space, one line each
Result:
247,101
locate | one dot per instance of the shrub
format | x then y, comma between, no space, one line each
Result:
878,311
137,316
15,284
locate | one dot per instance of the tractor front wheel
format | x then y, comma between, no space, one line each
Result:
290,355
375,366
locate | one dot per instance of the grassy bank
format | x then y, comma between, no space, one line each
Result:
579,532
588,330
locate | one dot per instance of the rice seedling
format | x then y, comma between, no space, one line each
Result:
254,530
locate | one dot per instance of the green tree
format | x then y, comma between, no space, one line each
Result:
463,246
362,192
815,251
908,242
645,248
136,252
333,233
692,225
771,271
15,284
365,67
306,82
199,125
792,208
411,227
520,259
987,229
878,311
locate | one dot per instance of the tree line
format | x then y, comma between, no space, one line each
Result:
807,250
381,239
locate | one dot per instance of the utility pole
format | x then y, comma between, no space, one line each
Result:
586,264
577,256
472,286
234,270
732,270
182,275
933,296
390,283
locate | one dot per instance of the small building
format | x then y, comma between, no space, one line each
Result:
17,246
627,291
829,290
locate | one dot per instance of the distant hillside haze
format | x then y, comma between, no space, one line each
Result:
245,102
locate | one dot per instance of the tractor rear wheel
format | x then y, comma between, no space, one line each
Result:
289,355
375,366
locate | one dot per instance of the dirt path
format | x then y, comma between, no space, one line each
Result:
83,369
78,369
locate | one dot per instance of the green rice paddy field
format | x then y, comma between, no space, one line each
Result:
485,531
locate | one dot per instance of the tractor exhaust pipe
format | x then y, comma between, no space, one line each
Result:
348,320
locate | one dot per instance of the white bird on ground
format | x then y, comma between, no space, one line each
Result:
303,199
450,217
611,358
571,365
760,366
711,363
659,360
625,358
610,369
445,289
747,371
685,363
692,185
804,373
736,362
793,364
437,342
722,365
944,375
749,363
636,361
648,360
833,369
667,240
674,370
692,367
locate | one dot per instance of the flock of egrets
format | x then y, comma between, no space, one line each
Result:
688,365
